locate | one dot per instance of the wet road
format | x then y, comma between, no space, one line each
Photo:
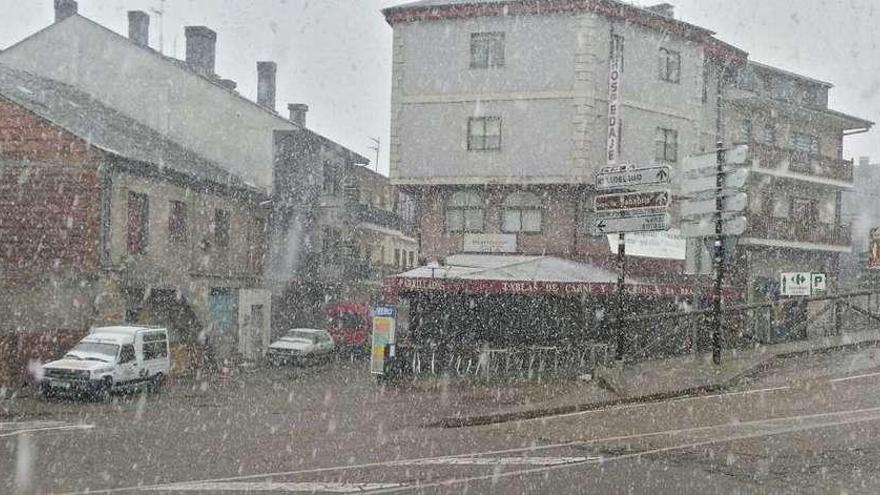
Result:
809,425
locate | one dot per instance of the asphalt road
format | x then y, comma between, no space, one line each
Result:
809,425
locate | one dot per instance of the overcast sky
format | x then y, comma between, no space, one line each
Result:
335,55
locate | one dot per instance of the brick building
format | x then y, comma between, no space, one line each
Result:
103,220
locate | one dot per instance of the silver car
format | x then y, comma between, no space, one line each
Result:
300,345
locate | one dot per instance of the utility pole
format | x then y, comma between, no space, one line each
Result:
621,296
719,255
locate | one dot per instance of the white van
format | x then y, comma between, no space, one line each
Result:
110,358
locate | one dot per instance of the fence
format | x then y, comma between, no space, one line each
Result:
524,362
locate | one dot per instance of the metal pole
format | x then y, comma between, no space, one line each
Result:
621,296
719,256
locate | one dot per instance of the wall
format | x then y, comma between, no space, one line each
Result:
156,92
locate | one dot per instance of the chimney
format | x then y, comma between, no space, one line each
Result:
266,84
228,84
64,9
664,9
201,44
139,27
298,113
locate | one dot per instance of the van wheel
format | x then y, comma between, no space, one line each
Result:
156,382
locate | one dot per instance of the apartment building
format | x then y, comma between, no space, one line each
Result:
799,175
500,114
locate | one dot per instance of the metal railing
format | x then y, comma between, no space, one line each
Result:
784,229
801,162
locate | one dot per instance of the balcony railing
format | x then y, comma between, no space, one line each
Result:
382,218
801,162
784,229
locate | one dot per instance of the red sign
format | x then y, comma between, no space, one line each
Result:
407,284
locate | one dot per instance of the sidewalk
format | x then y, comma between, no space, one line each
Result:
651,380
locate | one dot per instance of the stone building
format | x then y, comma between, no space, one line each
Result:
104,220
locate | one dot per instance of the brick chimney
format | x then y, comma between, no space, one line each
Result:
664,9
201,46
65,9
298,113
266,84
139,27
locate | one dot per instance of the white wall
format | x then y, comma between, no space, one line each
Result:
140,83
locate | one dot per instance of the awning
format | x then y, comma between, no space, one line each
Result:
493,274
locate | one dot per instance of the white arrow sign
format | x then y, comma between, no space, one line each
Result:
736,156
632,177
732,180
645,223
697,207
706,227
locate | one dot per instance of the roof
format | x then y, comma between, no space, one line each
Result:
187,69
770,68
307,330
524,275
105,128
421,10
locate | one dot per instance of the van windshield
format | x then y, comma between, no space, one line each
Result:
95,351
309,337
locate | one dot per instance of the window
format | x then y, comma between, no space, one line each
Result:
177,222
412,258
670,65
617,50
255,245
666,145
155,346
806,143
138,234
706,74
464,212
397,257
484,133
745,133
330,179
522,212
769,135
804,210
126,354
331,244
487,50
221,228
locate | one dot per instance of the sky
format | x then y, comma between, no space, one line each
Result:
335,55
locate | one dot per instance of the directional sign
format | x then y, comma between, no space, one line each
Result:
794,284
732,180
736,156
624,178
818,283
645,223
698,207
706,227
632,201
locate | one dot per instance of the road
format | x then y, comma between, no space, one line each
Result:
809,425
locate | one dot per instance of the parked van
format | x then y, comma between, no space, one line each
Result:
108,359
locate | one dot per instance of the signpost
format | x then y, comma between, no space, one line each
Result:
712,182
613,177
642,223
632,201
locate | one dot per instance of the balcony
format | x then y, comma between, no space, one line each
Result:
784,229
771,157
380,217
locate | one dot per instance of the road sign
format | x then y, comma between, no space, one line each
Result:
735,156
645,223
818,283
794,284
706,227
732,180
625,178
632,201
696,207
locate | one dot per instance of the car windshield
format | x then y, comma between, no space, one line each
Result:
96,351
300,335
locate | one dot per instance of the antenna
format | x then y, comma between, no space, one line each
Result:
377,146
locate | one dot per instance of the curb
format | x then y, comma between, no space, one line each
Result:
495,418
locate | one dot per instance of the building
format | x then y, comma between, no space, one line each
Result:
500,115
862,210
104,220
799,176
189,104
